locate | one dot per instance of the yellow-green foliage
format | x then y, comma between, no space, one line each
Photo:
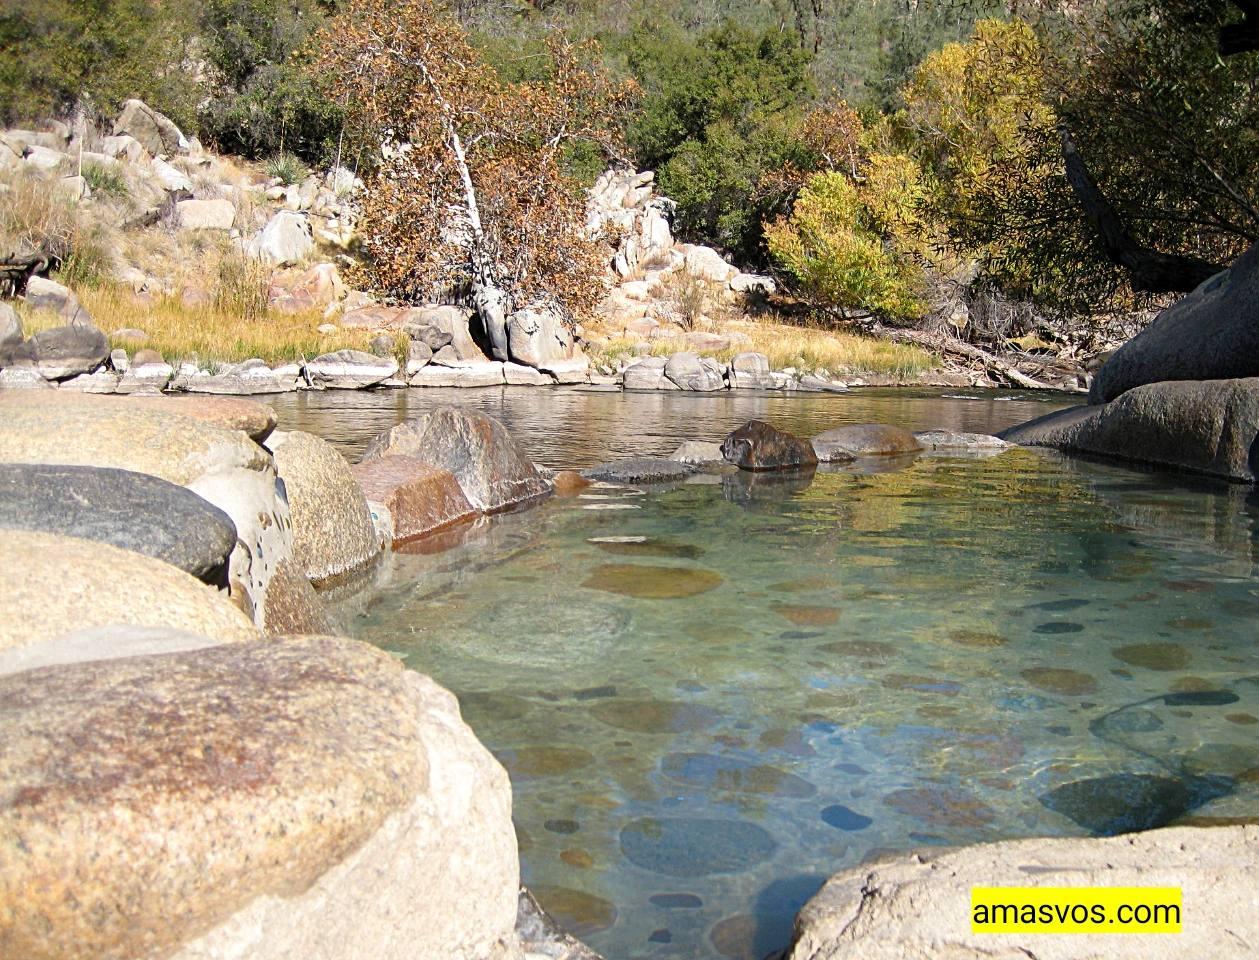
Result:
840,242
981,115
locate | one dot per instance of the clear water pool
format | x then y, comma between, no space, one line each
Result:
710,697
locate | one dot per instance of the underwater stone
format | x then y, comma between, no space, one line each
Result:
1154,656
1072,683
844,818
1128,802
695,847
652,583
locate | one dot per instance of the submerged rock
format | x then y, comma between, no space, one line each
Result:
283,798
1130,802
350,370
680,847
640,470
492,471
949,441
133,511
652,582
758,446
864,440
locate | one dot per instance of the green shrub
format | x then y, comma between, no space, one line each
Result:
106,180
288,168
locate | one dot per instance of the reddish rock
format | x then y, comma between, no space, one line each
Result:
421,499
373,318
569,483
758,446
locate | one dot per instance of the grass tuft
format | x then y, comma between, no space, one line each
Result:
288,168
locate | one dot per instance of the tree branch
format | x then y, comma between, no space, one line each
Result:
1149,270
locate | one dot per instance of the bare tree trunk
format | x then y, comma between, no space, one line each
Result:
1149,270
946,344
490,298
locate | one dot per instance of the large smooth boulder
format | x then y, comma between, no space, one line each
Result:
332,525
1208,426
284,241
537,335
44,294
205,214
864,440
223,466
648,374
133,511
492,471
917,905
154,131
294,797
59,353
758,446
1212,334
689,372
750,371
350,370
56,584
419,499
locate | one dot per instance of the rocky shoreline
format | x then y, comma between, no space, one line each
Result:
309,794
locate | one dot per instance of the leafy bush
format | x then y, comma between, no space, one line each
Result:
837,248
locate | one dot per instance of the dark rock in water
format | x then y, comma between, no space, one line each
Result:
648,547
1073,683
562,827
1154,656
1208,335
491,469
844,818
655,716
758,446
1129,802
660,936
1200,698
695,848
864,440
134,511
595,693
676,901
1059,606
1205,427
1059,626
1133,721
640,470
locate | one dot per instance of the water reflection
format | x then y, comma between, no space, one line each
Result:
568,427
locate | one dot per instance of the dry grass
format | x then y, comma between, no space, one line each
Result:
807,349
205,334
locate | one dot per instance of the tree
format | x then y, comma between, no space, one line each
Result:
471,191
58,52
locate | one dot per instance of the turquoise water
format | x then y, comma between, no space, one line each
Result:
712,696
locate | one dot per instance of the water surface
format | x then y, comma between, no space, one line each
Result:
712,696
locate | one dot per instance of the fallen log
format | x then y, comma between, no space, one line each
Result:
943,343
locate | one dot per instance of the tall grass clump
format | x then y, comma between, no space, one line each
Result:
241,286
287,168
106,180
36,220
